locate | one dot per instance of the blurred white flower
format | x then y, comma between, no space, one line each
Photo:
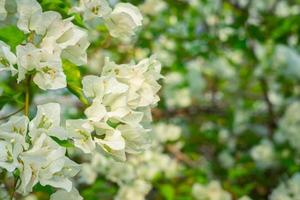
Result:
3,12
152,7
288,190
137,190
289,125
263,154
245,198
62,194
166,132
211,191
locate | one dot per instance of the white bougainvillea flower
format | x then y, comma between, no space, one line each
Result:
137,138
98,87
8,157
96,112
122,97
112,143
27,10
141,79
46,163
50,78
62,194
70,38
113,140
3,12
128,116
28,59
31,162
123,20
47,120
77,53
46,64
81,132
32,19
17,125
91,9
7,59
40,21
12,142
58,170
108,94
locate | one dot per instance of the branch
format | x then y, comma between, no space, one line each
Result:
27,96
272,125
180,156
187,112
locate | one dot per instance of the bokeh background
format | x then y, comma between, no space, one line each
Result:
228,123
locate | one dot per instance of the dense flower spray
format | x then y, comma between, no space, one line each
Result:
118,102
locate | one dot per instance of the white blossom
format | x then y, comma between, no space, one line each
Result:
91,9
62,194
166,132
47,120
7,59
141,78
45,62
3,12
81,132
138,190
12,142
46,163
123,20
288,190
289,125
211,191
263,154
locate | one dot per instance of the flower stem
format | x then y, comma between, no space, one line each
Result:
27,96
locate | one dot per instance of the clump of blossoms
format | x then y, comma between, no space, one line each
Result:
289,126
263,154
119,101
134,177
121,21
289,189
211,191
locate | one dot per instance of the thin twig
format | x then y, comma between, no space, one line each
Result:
27,96
188,111
272,118
180,156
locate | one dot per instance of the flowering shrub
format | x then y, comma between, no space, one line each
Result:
116,102
149,99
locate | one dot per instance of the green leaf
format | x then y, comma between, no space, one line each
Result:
9,95
74,81
63,143
167,191
12,36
